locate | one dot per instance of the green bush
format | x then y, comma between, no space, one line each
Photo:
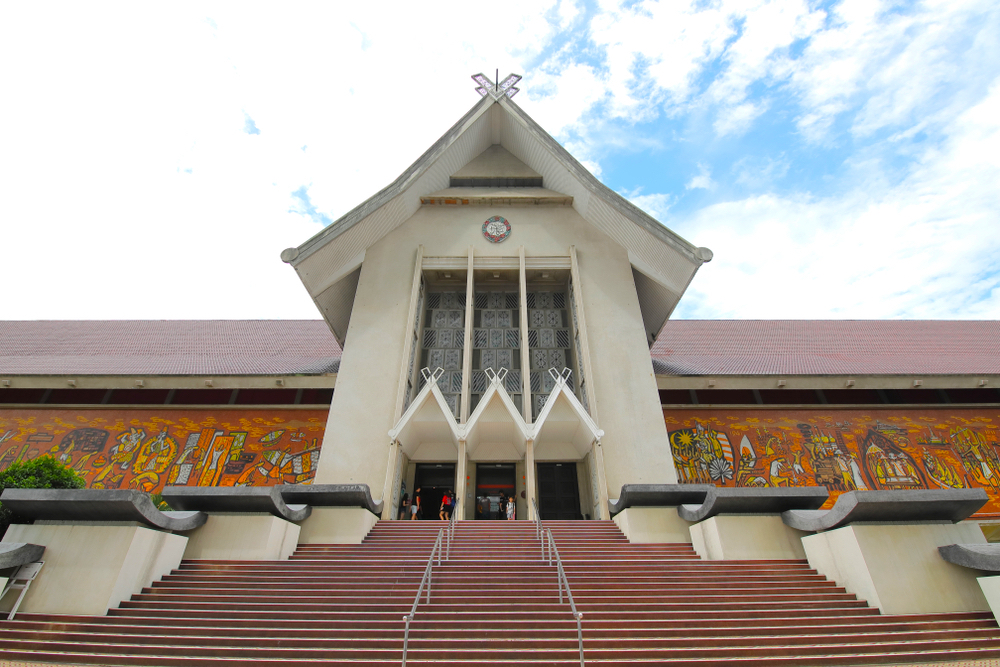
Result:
41,473
159,502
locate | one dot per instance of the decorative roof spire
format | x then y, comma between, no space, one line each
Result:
496,90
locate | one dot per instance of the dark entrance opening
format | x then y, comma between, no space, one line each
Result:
433,479
558,493
491,480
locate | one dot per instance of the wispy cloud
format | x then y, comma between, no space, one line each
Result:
249,126
703,180
837,154
302,204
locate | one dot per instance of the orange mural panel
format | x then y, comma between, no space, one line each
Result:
843,450
148,449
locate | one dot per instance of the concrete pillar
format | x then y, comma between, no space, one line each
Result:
529,477
461,481
393,472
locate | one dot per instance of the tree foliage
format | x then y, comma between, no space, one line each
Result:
42,473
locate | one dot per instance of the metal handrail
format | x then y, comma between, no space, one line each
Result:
437,549
538,526
451,529
564,582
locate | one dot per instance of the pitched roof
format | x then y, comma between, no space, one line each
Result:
685,347
827,347
167,347
328,263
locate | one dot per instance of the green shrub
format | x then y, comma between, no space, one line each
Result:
42,473
159,502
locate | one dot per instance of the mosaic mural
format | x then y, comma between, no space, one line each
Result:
148,449
843,450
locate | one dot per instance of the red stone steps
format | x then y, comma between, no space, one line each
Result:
494,603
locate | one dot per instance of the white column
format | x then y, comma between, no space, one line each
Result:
392,473
525,353
460,481
588,372
470,312
408,343
529,477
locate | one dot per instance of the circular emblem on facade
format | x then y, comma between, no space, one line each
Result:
496,229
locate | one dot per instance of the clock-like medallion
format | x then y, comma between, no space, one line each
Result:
496,229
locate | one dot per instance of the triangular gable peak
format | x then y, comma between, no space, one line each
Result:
496,431
564,430
428,428
663,262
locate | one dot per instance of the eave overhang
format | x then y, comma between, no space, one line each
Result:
329,263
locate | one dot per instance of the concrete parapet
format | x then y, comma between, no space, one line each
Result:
234,499
90,568
658,495
897,567
337,525
97,505
243,537
16,554
741,500
331,495
645,525
985,557
916,505
746,537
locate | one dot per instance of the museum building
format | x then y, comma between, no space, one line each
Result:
496,323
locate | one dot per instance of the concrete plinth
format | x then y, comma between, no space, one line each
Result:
90,568
991,591
645,525
746,537
897,567
337,525
243,537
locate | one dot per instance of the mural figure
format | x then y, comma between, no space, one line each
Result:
141,448
850,450
702,455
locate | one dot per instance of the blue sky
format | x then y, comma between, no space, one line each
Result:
840,158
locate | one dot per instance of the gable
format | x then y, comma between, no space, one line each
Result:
326,263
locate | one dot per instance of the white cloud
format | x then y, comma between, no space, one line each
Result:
129,183
703,180
657,204
924,248
130,186
737,119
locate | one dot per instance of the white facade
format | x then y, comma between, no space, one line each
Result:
620,272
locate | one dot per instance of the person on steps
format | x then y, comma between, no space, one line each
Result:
404,507
511,507
415,505
447,503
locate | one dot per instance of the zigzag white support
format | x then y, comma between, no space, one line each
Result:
428,421
563,430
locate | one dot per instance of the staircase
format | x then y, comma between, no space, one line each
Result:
495,602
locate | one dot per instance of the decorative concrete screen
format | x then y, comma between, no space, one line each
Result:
843,450
148,449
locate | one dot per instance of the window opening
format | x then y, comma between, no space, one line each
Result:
548,343
443,342
496,339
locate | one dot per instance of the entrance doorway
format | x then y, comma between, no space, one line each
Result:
433,479
558,493
492,479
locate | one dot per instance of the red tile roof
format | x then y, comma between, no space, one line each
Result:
167,347
685,347
827,347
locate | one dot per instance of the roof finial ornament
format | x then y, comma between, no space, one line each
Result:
496,90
